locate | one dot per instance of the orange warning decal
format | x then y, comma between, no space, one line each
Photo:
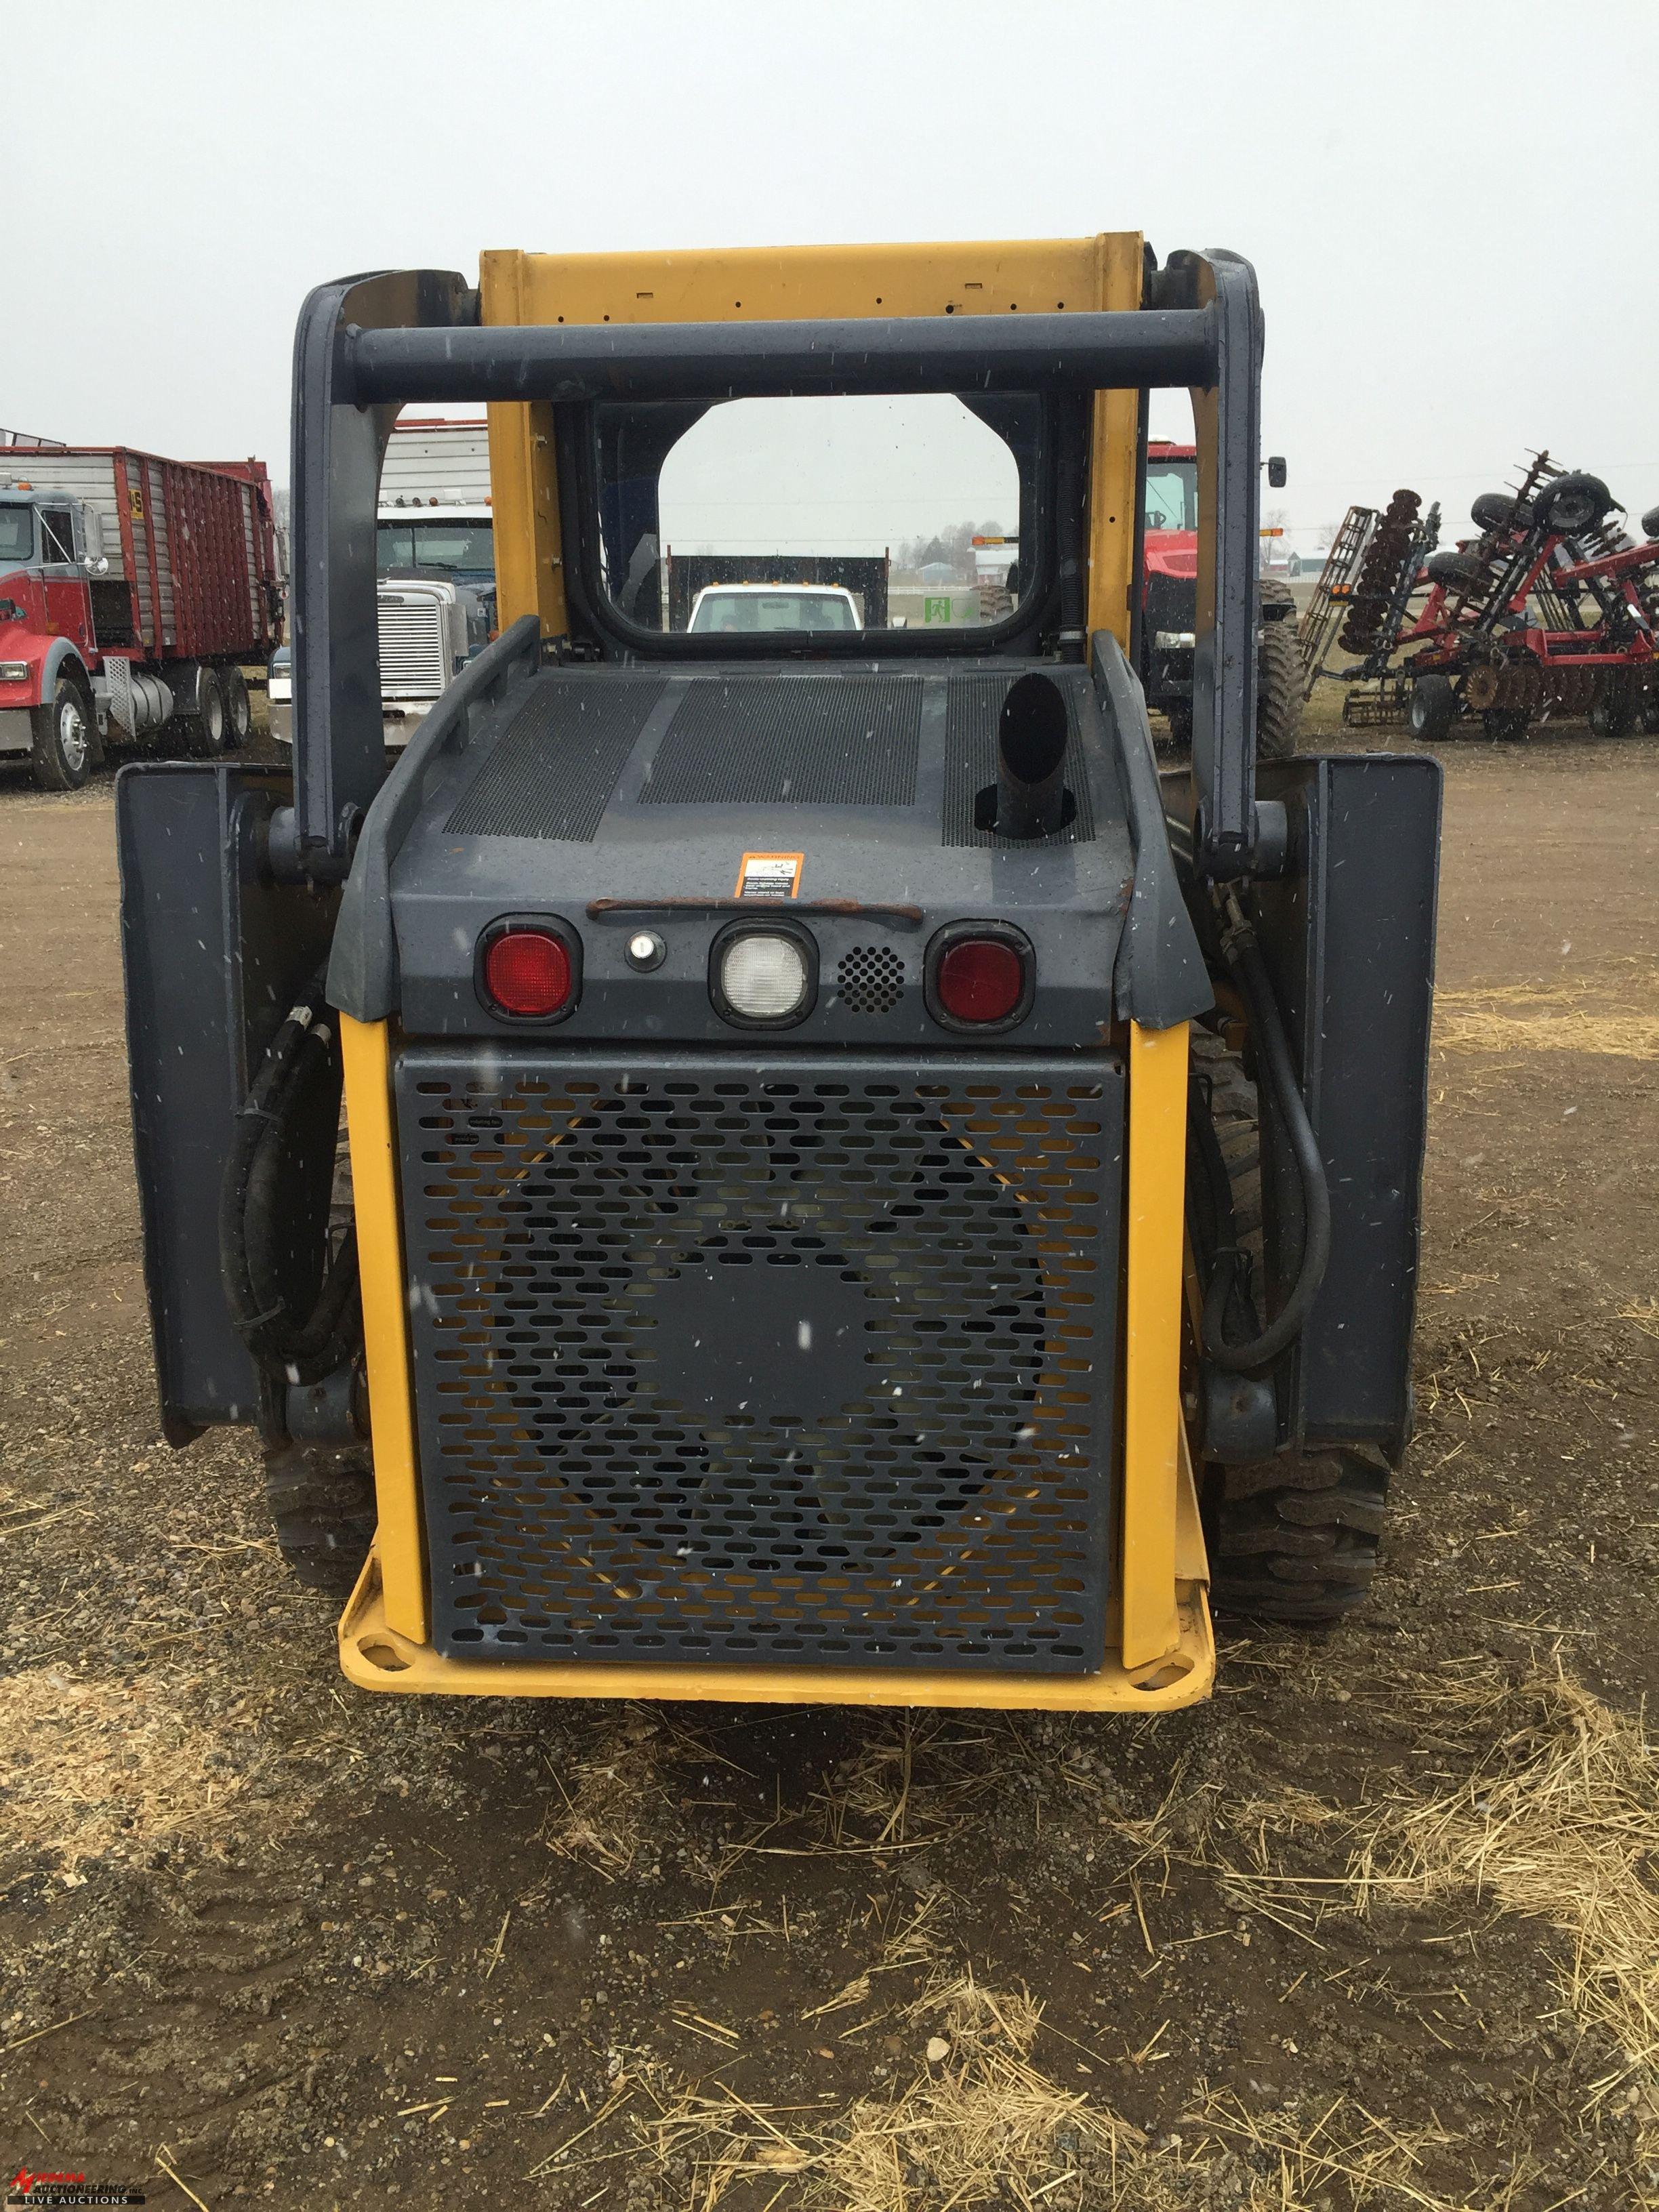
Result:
769,875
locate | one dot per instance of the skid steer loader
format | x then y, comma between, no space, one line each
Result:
859,1189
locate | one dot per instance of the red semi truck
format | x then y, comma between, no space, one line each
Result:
132,590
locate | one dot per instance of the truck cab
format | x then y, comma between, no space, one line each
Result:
51,547
738,610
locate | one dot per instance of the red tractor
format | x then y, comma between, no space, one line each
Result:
1169,608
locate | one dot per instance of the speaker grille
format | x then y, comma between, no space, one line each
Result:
746,1361
871,979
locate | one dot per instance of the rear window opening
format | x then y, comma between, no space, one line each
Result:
816,516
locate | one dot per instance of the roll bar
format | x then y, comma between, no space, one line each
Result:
369,345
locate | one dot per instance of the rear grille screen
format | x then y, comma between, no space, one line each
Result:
748,1361
795,741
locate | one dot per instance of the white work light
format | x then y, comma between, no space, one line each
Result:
764,975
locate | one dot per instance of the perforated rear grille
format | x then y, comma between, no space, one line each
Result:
792,741
737,1360
414,649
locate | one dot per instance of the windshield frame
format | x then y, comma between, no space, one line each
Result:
1058,478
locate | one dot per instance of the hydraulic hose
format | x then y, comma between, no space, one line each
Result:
255,1204
1242,955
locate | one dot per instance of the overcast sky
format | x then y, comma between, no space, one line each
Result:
1449,209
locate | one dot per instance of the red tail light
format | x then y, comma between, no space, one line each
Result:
981,979
529,972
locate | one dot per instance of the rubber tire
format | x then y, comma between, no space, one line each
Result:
1431,709
238,711
203,735
1507,724
1611,715
1453,569
1649,715
1179,715
1277,689
1293,1539
55,767
1572,504
1493,510
323,1505
1650,524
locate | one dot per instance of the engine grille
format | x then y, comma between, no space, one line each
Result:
415,653
736,1360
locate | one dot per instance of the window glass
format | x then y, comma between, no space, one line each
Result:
815,515
16,533
1171,495
456,547
56,534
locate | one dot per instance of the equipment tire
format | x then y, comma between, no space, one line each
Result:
1507,724
323,1505
1494,510
1431,709
1573,503
238,712
202,721
1650,713
64,738
1293,1539
1610,713
1278,683
1178,712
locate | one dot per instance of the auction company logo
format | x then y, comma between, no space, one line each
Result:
44,2189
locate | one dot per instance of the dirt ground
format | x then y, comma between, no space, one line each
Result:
1379,1924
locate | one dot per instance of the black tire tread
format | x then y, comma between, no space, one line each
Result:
1278,690
1293,1540
323,1505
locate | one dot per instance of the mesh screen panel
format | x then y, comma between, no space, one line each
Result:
788,1360
552,771
800,741
974,705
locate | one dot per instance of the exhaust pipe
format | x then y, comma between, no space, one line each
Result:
1031,736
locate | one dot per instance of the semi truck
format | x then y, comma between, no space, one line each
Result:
132,592
435,555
